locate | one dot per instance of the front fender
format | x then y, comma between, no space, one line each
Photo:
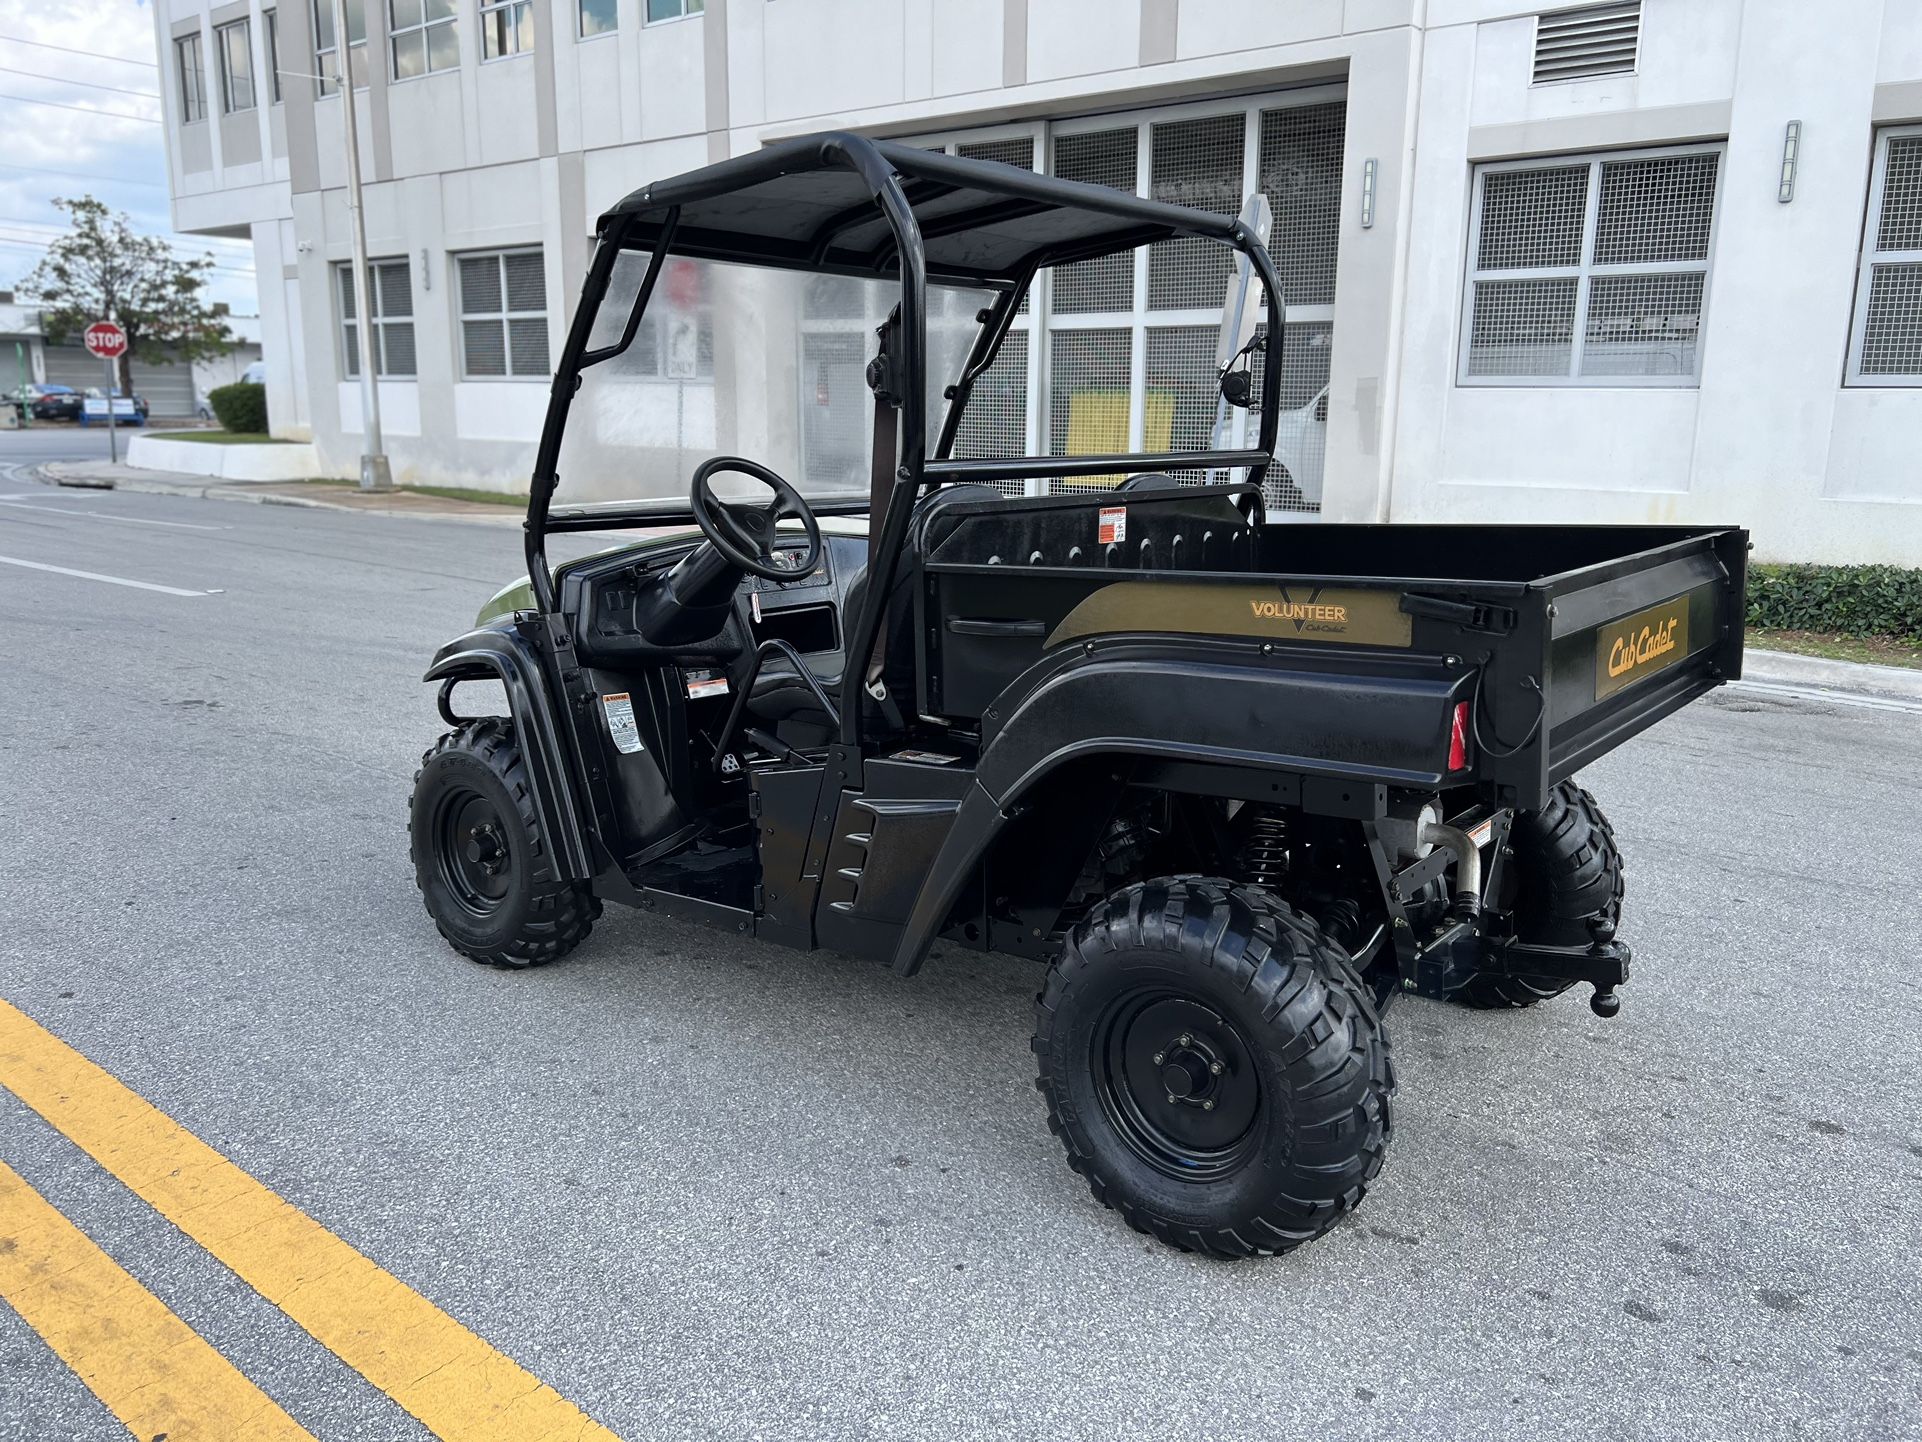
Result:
501,652
1378,720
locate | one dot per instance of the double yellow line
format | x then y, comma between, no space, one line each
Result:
152,1371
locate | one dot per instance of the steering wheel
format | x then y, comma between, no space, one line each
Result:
745,534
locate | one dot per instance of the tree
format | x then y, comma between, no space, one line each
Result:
103,269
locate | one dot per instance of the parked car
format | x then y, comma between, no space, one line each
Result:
54,403
1301,451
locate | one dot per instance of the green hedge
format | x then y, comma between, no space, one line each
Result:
1847,600
241,406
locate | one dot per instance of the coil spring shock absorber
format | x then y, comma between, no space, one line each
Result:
1264,848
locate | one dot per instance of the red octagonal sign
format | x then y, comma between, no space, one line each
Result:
105,340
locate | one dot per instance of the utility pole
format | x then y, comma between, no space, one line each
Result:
374,472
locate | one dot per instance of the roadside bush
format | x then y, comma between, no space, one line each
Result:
240,407
1846,600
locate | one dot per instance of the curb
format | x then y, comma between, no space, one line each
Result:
237,491
1784,668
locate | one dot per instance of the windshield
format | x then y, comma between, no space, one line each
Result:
745,361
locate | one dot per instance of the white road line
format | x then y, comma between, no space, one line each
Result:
110,580
13,504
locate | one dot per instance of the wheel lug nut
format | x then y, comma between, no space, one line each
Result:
1208,1105
1185,1039
1160,1056
1216,1069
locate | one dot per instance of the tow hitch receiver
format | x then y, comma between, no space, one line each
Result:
1461,952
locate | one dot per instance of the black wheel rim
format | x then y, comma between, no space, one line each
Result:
476,858
1177,1080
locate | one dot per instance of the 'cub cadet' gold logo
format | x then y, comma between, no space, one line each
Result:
1644,646
1640,645
1298,612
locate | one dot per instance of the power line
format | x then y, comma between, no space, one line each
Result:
83,109
90,84
83,175
68,50
25,243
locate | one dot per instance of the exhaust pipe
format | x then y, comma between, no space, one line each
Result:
1468,866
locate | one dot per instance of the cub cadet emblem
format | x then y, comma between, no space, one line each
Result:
1298,612
1640,645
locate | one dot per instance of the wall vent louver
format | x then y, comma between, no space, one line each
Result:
1581,44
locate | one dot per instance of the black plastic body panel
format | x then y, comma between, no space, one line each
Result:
504,652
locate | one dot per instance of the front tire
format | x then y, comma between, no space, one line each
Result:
1214,1067
483,867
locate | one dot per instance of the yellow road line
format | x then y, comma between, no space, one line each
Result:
458,1386
151,1369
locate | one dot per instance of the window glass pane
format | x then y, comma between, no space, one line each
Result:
1300,173
524,24
480,284
598,17
1892,327
527,345
323,24
695,7
396,293
1108,158
526,281
443,47
1195,163
1656,209
344,276
1642,325
397,348
481,341
350,350
996,420
405,14
493,34
272,18
1178,405
663,9
1532,217
357,66
356,21
410,55
1900,227
1522,328
440,10
1088,399
1294,483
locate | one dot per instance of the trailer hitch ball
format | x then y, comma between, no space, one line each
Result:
1604,1002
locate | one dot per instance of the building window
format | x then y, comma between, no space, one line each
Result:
673,9
327,45
193,79
391,297
599,17
234,45
271,19
507,28
423,37
1885,348
503,315
1590,270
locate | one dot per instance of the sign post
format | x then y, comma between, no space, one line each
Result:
109,342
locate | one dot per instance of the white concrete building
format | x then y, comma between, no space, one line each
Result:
1646,260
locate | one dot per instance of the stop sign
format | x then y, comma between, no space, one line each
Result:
105,340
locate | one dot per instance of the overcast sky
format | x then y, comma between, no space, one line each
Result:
48,151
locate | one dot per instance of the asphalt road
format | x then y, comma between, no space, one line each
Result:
712,1189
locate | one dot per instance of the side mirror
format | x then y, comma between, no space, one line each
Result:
1241,309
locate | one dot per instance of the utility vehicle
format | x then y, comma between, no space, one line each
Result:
1236,783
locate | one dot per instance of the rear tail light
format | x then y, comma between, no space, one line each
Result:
1458,739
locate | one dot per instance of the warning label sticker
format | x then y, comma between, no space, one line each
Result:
704,683
620,723
1112,525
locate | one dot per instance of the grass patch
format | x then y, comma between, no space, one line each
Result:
446,493
1876,650
222,438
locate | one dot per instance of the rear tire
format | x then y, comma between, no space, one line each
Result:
1567,874
1214,1067
483,867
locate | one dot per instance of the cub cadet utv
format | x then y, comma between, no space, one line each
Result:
1237,783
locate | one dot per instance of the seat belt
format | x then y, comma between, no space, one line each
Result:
881,464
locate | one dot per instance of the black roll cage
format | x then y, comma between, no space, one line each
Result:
896,178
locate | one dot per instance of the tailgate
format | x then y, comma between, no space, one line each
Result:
1635,639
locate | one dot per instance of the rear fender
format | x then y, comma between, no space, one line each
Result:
1331,731
499,652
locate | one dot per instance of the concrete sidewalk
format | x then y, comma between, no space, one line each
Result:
109,476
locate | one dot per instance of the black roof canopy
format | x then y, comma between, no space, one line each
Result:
811,204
